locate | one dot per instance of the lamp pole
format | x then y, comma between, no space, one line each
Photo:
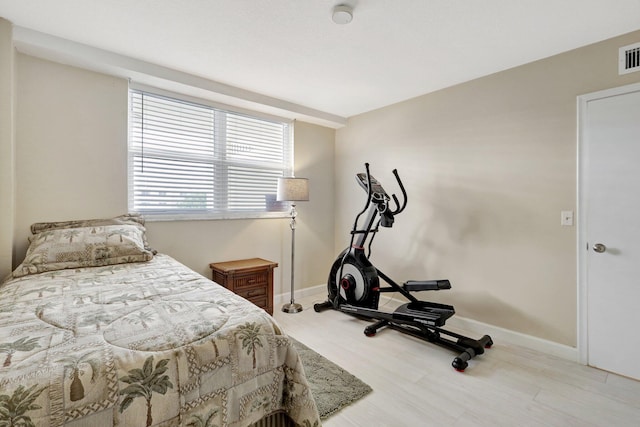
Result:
292,307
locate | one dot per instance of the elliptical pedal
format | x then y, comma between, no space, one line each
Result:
426,285
424,312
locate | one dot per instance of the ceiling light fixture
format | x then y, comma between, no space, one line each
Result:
342,14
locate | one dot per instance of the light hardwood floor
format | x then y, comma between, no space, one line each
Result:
414,384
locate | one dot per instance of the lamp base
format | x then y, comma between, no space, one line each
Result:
292,307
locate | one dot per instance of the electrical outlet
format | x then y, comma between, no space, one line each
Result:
566,218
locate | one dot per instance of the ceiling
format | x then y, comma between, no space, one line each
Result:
291,50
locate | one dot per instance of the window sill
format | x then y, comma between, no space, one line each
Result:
153,217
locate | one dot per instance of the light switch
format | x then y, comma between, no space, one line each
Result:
566,218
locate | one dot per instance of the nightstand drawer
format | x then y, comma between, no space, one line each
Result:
241,281
249,293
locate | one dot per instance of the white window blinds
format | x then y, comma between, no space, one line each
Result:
194,160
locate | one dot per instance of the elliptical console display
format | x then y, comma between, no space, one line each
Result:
353,285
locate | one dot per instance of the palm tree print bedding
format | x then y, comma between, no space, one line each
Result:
142,344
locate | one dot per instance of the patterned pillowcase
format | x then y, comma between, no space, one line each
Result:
58,249
135,219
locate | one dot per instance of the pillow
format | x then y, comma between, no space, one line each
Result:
58,249
134,219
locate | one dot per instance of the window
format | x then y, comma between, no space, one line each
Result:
190,160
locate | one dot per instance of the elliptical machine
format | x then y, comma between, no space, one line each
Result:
354,283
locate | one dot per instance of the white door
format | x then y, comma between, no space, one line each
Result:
610,230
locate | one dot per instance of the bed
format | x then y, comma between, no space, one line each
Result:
98,330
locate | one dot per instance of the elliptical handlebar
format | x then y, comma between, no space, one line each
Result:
404,194
377,194
366,206
369,190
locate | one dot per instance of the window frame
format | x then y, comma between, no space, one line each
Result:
282,208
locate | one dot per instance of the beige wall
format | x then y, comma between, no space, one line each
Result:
71,145
71,162
7,89
488,166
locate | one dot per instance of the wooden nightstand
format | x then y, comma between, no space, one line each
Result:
252,279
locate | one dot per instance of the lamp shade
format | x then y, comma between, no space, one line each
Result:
292,189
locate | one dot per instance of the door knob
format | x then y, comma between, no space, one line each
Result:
599,247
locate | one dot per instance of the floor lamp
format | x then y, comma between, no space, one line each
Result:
292,190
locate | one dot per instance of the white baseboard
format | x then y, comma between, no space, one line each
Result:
319,290
475,328
499,334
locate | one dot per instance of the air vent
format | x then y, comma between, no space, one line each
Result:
629,59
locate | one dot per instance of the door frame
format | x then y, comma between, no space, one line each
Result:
582,181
